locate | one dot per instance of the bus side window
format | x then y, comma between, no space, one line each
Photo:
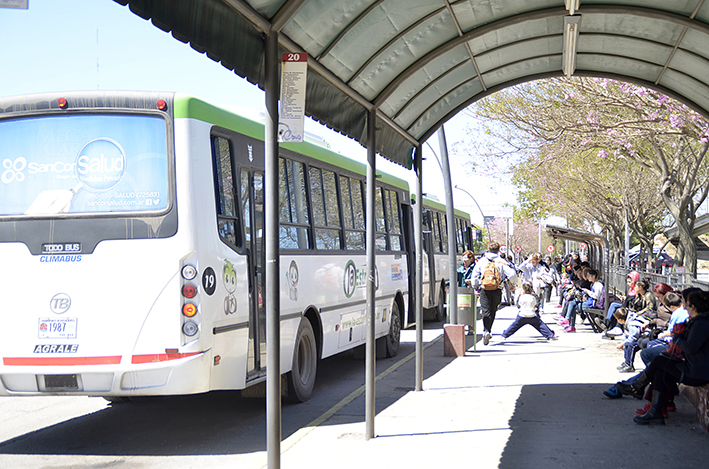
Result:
352,213
294,231
381,232
444,233
391,199
436,233
460,235
427,220
326,213
227,220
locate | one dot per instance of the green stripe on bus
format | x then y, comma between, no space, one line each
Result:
186,106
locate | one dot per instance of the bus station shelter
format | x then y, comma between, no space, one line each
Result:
390,73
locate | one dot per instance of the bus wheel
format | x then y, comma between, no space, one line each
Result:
441,306
301,378
388,346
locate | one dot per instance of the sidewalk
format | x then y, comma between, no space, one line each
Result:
522,403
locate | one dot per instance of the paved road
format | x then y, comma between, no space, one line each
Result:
176,431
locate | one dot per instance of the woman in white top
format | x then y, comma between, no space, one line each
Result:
527,314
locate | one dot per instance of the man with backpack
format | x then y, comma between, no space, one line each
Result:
489,275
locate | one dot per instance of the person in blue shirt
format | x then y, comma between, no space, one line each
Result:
465,271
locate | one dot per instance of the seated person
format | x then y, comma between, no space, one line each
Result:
645,304
687,360
610,322
633,325
593,295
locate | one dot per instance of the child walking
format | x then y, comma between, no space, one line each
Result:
527,314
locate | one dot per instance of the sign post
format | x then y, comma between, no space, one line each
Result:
550,248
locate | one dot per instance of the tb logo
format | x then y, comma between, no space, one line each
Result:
60,303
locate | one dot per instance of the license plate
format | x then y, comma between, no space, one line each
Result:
54,382
53,328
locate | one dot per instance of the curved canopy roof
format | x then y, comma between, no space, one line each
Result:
419,62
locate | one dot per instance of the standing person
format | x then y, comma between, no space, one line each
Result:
489,275
534,271
465,271
527,314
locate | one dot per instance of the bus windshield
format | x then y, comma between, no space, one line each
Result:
83,164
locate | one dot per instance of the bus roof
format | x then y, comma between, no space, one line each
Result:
431,203
186,106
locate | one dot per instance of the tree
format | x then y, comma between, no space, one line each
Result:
617,127
525,234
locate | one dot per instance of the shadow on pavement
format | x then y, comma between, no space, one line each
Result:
573,425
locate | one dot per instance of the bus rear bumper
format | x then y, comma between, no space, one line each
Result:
189,375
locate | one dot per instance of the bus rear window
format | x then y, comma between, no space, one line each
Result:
85,163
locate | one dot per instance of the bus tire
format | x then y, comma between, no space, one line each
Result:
388,346
301,378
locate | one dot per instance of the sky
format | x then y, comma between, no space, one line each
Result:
69,45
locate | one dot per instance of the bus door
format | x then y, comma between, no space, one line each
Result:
430,265
252,198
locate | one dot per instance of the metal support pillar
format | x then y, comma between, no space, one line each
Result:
418,246
450,216
272,299
370,346
626,255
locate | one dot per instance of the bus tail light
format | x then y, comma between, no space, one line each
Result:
62,102
190,328
190,298
161,105
189,272
189,290
189,310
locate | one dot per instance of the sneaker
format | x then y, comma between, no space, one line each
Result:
557,306
558,317
556,337
643,410
486,338
606,336
569,329
600,323
612,393
564,322
627,368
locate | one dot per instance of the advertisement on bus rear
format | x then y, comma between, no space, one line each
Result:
83,164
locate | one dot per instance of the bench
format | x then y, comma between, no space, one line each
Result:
592,314
698,396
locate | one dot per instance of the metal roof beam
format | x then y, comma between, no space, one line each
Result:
467,45
585,73
679,41
473,34
285,13
352,24
392,41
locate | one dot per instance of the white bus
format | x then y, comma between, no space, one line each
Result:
132,245
436,264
